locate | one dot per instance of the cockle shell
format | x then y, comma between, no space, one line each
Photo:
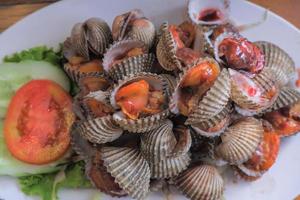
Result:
94,86
264,156
195,7
249,105
173,105
170,167
166,50
184,141
171,80
79,43
202,182
143,30
92,36
129,168
166,155
80,145
98,35
287,97
100,178
76,74
121,22
130,65
214,101
247,174
278,60
100,130
159,143
202,127
142,124
133,24
100,97
240,140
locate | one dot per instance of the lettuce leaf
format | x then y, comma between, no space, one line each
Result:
40,53
46,186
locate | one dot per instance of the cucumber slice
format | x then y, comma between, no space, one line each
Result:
14,75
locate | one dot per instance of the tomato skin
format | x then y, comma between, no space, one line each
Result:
38,122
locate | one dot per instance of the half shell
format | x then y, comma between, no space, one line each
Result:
166,50
129,168
287,97
130,65
159,143
260,93
91,68
142,124
173,105
101,179
214,101
201,182
121,22
171,80
278,60
80,145
216,125
100,130
144,31
196,7
240,141
98,35
92,36
170,167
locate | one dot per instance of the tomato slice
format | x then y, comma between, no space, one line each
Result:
38,122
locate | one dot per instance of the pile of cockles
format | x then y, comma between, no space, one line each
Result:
172,106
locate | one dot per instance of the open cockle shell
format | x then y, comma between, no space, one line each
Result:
100,178
262,84
159,143
173,105
287,97
98,35
240,140
78,41
80,145
214,101
184,141
100,130
171,80
166,50
144,31
195,7
142,124
202,182
130,65
166,155
218,41
121,22
244,173
278,60
129,168
222,120
92,36
170,167
76,74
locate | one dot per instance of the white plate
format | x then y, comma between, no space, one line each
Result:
51,25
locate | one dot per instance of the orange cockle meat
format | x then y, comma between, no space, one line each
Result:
133,98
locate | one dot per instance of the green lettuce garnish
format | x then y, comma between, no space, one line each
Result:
40,53
46,186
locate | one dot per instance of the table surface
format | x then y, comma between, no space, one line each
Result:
13,10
